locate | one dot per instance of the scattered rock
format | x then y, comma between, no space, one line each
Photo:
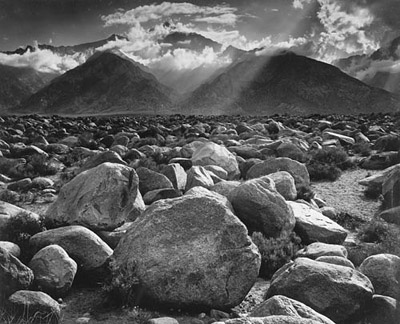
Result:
296,169
282,305
317,249
340,293
14,275
338,260
262,208
101,198
11,248
35,305
54,270
198,176
384,272
81,244
312,226
284,184
213,154
151,180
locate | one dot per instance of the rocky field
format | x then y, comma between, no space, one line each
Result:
196,220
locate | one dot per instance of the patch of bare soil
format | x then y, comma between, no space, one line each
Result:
347,196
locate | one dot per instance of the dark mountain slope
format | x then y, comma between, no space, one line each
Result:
108,82
18,83
287,83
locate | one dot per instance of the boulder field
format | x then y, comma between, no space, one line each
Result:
161,212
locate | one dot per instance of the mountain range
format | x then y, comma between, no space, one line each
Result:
110,82
380,69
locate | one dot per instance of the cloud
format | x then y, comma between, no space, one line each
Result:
43,61
147,13
299,4
225,19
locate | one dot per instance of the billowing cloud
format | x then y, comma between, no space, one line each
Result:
43,61
147,13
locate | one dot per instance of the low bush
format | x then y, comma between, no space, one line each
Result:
41,166
19,230
275,252
385,235
305,193
348,221
364,149
327,163
323,171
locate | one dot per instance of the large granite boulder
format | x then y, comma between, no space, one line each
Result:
312,226
384,272
262,208
296,169
190,251
54,270
150,180
319,249
213,154
198,176
338,292
37,306
284,184
282,305
9,211
101,198
14,275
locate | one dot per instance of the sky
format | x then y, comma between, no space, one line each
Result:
322,29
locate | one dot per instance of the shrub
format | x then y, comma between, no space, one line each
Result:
19,230
364,149
385,235
348,221
275,252
332,156
323,171
41,166
305,193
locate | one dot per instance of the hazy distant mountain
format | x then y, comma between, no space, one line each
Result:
287,83
67,50
18,83
108,82
192,41
380,69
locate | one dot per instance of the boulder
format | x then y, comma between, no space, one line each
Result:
14,275
284,184
11,248
282,305
292,151
198,176
112,238
100,158
9,211
177,175
275,319
296,169
391,215
391,189
383,310
82,245
262,208
312,226
340,293
338,260
190,251
155,195
225,188
317,249
384,272
101,198
35,305
151,180
54,270
213,154
342,138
